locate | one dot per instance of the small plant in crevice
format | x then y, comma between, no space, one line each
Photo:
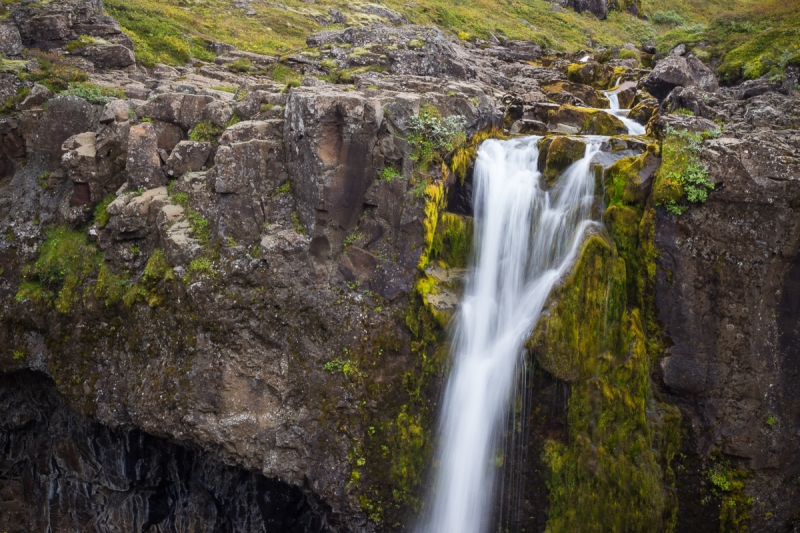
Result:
297,225
352,238
93,93
771,420
205,132
389,173
433,137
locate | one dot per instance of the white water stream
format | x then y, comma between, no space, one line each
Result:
526,236
634,128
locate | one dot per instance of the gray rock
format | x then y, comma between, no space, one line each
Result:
64,117
8,86
107,56
598,8
244,167
115,111
39,95
330,139
184,110
187,156
678,71
10,40
218,113
168,135
143,164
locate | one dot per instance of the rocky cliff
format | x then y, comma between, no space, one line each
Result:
225,299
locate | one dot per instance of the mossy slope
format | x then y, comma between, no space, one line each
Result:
613,473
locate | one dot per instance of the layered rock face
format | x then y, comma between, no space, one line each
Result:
236,302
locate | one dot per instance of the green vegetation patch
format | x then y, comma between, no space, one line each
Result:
433,137
95,94
66,261
682,180
206,132
600,335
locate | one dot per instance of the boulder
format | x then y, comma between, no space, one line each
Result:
143,163
167,135
8,86
752,88
37,97
218,113
184,110
252,129
588,95
251,104
132,215
528,127
107,56
599,8
244,167
187,156
585,121
10,40
561,153
115,111
86,167
679,71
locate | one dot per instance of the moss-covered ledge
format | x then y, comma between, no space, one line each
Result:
613,471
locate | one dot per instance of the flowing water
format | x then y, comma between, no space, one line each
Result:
526,236
634,128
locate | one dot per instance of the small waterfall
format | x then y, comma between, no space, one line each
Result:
526,236
634,128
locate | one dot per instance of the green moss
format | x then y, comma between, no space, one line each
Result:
205,132
561,153
452,240
199,225
100,211
434,202
9,106
599,334
81,42
630,54
111,287
66,260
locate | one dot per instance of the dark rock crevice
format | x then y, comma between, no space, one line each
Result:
61,471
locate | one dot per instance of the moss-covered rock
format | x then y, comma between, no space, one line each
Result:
586,121
561,152
590,96
644,111
598,75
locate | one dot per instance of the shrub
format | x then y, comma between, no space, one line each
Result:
433,137
389,173
682,179
668,18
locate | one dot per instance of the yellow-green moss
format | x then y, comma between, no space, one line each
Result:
561,153
600,335
434,202
452,240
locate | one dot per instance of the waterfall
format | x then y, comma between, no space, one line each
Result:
526,236
634,128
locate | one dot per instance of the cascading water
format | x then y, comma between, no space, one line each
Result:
634,128
526,236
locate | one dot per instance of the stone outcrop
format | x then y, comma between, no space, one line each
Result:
727,293
679,71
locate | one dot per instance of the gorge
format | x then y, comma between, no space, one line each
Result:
381,267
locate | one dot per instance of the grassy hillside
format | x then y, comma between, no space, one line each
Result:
743,38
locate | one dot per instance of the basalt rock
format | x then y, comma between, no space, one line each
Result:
678,71
727,296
